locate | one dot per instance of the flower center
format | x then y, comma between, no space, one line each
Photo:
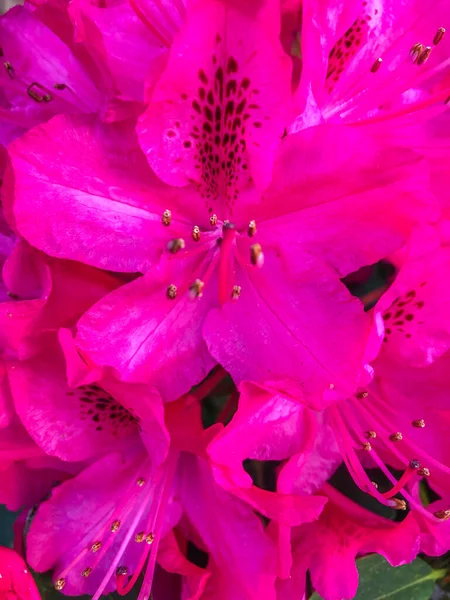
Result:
217,248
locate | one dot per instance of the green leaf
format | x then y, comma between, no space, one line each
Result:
379,581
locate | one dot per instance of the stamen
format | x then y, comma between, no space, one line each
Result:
424,472
10,69
251,228
419,423
256,255
399,504
424,56
375,485
96,546
416,51
361,395
171,293
140,481
60,583
367,446
38,96
213,220
414,464
236,292
115,526
444,515
60,86
196,234
139,537
150,538
376,65
396,437
86,572
196,289
121,571
371,434
175,246
167,218
439,35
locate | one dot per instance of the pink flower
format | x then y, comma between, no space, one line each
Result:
328,548
93,529
16,582
205,290
388,421
52,79
374,64
381,68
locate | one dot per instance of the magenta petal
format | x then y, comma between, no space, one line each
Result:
67,423
82,190
349,208
266,426
282,323
234,536
214,72
141,333
16,581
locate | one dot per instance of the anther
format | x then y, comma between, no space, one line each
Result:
444,515
416,51
121,571
96,546
399,504
361,395
424,56
375,485
371,434
424,472
60,86
235,294
376,65
139,537
439,35
367,446
38,92
86,572
171,293
256,255
196,289
150,538
196,234
140,481
175,246
396,437
414,464
60,583
251,228
115,526
213,220
10,69
167,218
419,423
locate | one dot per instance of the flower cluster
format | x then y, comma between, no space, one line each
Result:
189,189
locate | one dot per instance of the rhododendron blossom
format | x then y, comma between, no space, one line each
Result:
224,325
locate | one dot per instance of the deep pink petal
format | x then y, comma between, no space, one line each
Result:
227,75
16,580
82,190
352,207
282,323
141,333
233,535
